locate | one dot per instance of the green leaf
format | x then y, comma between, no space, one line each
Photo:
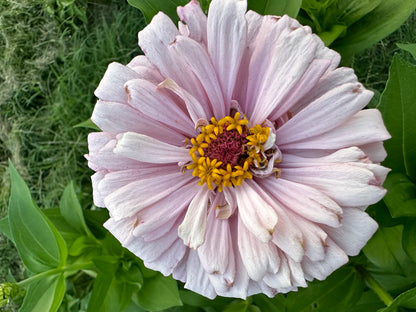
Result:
270,7
241,306
385,251
87,124
409,239
275,304
410,47
150,8
379,23
369,301
71,210
405,300
338,292
5,228
45,294
159,293
39,244
397,104
401,195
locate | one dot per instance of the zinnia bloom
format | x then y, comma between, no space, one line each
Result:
234,153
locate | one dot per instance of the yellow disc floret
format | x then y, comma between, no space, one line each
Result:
224,151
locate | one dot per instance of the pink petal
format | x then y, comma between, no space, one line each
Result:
195,109
117,118
154,40
375,151
195,19
193,228
97,197
305,201
258,257
291,58
226,37
131,198
335,107
347,185
363,128
198,62
216,253
121,229
145,70
147,149
144,96
196,277
335,258
254,211
111,87
357,228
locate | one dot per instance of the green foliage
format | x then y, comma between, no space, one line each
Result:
270,7
150,8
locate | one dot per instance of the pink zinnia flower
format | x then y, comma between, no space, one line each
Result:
234,154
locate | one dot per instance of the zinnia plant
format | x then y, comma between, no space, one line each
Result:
234,154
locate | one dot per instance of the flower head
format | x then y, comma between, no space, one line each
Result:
235,155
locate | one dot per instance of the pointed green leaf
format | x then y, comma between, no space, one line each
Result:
87,124
401,195
379,23
44,295
279,8
397,104
410,47
39,244
5,228
71,210
150,8
338,292
159,293
409,238
405,300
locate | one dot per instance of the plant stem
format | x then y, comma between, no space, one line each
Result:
73,267
375,286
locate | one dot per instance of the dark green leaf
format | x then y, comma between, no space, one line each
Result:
409,239
397,104
242,306
150,8
369,301
95,220
385,251
39,244
275,304
338,292
158,293
401,195
405,300
71,210
5,228
379,23
45,294
279,8
410,47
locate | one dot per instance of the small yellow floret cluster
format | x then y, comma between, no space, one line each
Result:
212,171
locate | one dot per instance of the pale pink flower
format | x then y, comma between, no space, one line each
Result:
235,154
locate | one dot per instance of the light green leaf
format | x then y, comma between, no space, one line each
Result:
279,8
39,244
409,47
405,300
87,124
159,293
44,295
71,210
379,23
409,238
338,292
397,104
5,228
401,195
150,8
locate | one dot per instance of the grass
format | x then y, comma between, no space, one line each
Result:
52,56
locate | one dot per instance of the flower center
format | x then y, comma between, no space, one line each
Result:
226,150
